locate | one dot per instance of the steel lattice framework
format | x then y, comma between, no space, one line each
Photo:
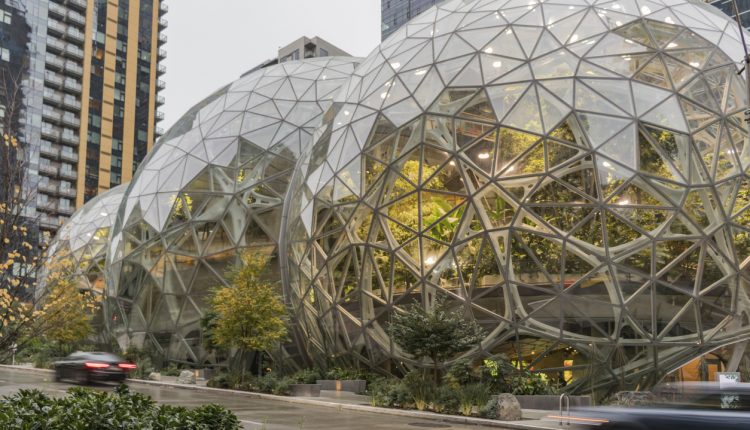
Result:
82,243
213,187
571,174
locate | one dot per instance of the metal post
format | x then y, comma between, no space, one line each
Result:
564,397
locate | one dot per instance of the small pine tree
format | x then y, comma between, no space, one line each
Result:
439,333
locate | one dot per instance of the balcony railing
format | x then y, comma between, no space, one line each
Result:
56,27
163,23
47,206
162,69
162,54
52,96
50,132
75,34
159,116
51,114
163,7
67,210
68,174
69,137
49,222
161,84
160,100
72,102
48,188
69,156
56,9
70,119
54,61
81,4
68,192
55,45
53,78
49,151
76,17
48,169
73,68
72,85
162,38
73,51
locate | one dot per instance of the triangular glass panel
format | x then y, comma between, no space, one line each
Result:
479,108
625,65
525,115
507,44
553,110
588,99
557,64
494,66
504,97
667,114
654,73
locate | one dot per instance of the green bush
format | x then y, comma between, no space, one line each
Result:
489,410
283,386
446,400
472,395
145,361
346,373
223,380
460,373
420,387
171,370
388,392
84,408
527,383
306,376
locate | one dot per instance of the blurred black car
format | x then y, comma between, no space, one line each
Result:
86,367
686,406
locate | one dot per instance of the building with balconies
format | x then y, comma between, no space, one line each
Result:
89,116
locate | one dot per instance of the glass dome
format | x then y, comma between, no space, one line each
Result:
570,174
81,244
213,186
83,239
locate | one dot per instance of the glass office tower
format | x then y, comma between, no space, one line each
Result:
395,13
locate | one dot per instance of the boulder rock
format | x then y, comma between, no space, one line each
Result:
186,377
508,408
154,376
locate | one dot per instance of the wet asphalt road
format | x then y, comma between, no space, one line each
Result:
254,413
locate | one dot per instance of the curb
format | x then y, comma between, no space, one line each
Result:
515,425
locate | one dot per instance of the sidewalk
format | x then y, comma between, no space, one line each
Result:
533,419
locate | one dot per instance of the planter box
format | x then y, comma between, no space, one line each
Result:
305,390
357,386
551,403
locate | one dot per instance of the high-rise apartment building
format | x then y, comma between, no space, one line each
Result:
90,75
395,13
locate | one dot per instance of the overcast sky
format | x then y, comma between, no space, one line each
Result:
211,43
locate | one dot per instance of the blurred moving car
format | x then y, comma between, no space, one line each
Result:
86,367
685,406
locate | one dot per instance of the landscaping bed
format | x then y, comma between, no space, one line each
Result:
84,409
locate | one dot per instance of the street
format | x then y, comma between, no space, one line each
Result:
254,413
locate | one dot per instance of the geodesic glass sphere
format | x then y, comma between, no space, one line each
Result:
213,187
80,246
570,174
83,240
